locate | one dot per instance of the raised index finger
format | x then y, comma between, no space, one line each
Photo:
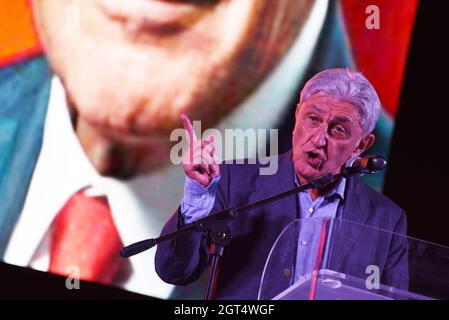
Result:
189,129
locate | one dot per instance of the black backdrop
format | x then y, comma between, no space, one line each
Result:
417,176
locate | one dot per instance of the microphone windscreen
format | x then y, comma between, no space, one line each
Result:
377,164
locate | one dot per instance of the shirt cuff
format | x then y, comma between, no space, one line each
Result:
198,201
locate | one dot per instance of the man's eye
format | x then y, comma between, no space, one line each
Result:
339,130
313,119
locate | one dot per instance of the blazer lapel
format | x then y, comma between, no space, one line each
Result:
286,211
8,130
347,230
283,181
24,94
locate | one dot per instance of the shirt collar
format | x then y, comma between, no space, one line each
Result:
73,171
62,170
338,190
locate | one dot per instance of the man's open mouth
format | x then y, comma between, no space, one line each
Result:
314,159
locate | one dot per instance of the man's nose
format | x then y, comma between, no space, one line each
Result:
319,138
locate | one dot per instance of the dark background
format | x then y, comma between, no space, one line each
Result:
417,173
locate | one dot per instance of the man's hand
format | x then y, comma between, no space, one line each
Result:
200,163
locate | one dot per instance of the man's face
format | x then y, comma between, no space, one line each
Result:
131,67
327,133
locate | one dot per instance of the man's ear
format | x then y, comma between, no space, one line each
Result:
296,116
365,143
298,106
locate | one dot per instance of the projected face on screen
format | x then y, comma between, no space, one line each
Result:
127,70
133,66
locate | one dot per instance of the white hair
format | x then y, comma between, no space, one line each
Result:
349,86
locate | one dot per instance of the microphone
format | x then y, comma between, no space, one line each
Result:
368,164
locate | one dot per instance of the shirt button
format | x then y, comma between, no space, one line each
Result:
286,272
311,210
303,243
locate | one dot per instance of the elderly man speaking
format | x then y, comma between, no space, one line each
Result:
335,117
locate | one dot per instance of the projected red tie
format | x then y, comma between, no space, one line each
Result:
84,236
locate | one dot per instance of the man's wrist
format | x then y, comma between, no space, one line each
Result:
194,188
198,200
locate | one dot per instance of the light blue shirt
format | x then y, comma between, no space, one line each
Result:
198,202
311,214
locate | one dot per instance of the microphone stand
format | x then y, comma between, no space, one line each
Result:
219,233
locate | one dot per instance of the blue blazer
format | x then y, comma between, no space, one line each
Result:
183,260
24,94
